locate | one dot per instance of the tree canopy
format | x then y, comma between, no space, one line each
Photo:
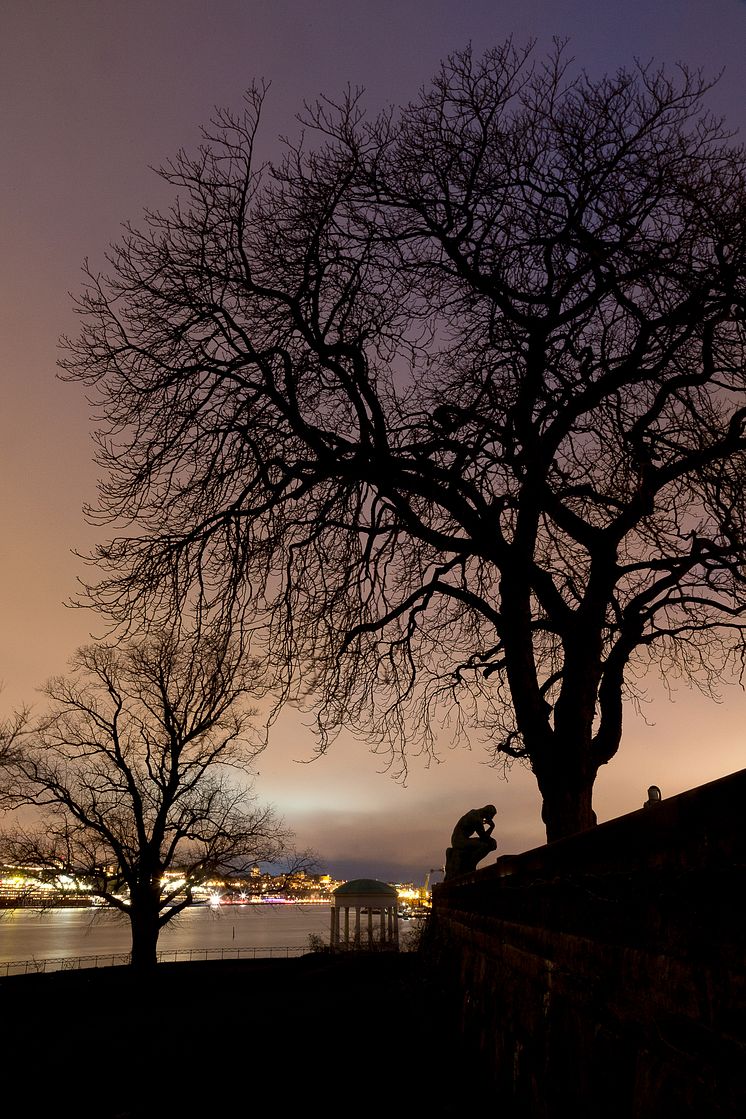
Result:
454,394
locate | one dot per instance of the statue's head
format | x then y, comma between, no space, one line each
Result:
489,810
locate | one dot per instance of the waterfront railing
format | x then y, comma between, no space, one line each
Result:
122,959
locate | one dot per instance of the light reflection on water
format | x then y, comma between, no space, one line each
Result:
32,934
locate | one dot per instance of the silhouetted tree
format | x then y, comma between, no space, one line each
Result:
10,733
456,393
130,774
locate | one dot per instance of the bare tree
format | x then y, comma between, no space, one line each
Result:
142,766
11,731
456,393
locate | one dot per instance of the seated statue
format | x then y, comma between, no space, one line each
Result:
471,841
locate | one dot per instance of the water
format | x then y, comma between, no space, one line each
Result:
32,934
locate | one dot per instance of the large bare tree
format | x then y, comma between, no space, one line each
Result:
455,393
142,765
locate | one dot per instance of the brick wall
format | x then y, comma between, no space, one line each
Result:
604,975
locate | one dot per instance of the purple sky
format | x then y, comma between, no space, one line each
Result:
96,91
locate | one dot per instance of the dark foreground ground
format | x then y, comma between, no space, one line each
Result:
330,1034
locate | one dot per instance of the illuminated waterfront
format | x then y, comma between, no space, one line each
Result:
32,934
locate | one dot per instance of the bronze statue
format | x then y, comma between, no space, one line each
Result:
654,796
471,841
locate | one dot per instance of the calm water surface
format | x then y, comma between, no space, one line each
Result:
32,934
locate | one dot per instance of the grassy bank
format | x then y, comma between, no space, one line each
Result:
234,1035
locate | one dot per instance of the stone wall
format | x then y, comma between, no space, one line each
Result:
604,975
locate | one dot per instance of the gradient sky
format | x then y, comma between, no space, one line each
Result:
94,93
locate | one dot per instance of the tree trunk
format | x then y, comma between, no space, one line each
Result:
565,763
567,806
145,929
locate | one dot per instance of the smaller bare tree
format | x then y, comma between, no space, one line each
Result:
10,734
142,765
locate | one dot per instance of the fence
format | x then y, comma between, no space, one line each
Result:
120,959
